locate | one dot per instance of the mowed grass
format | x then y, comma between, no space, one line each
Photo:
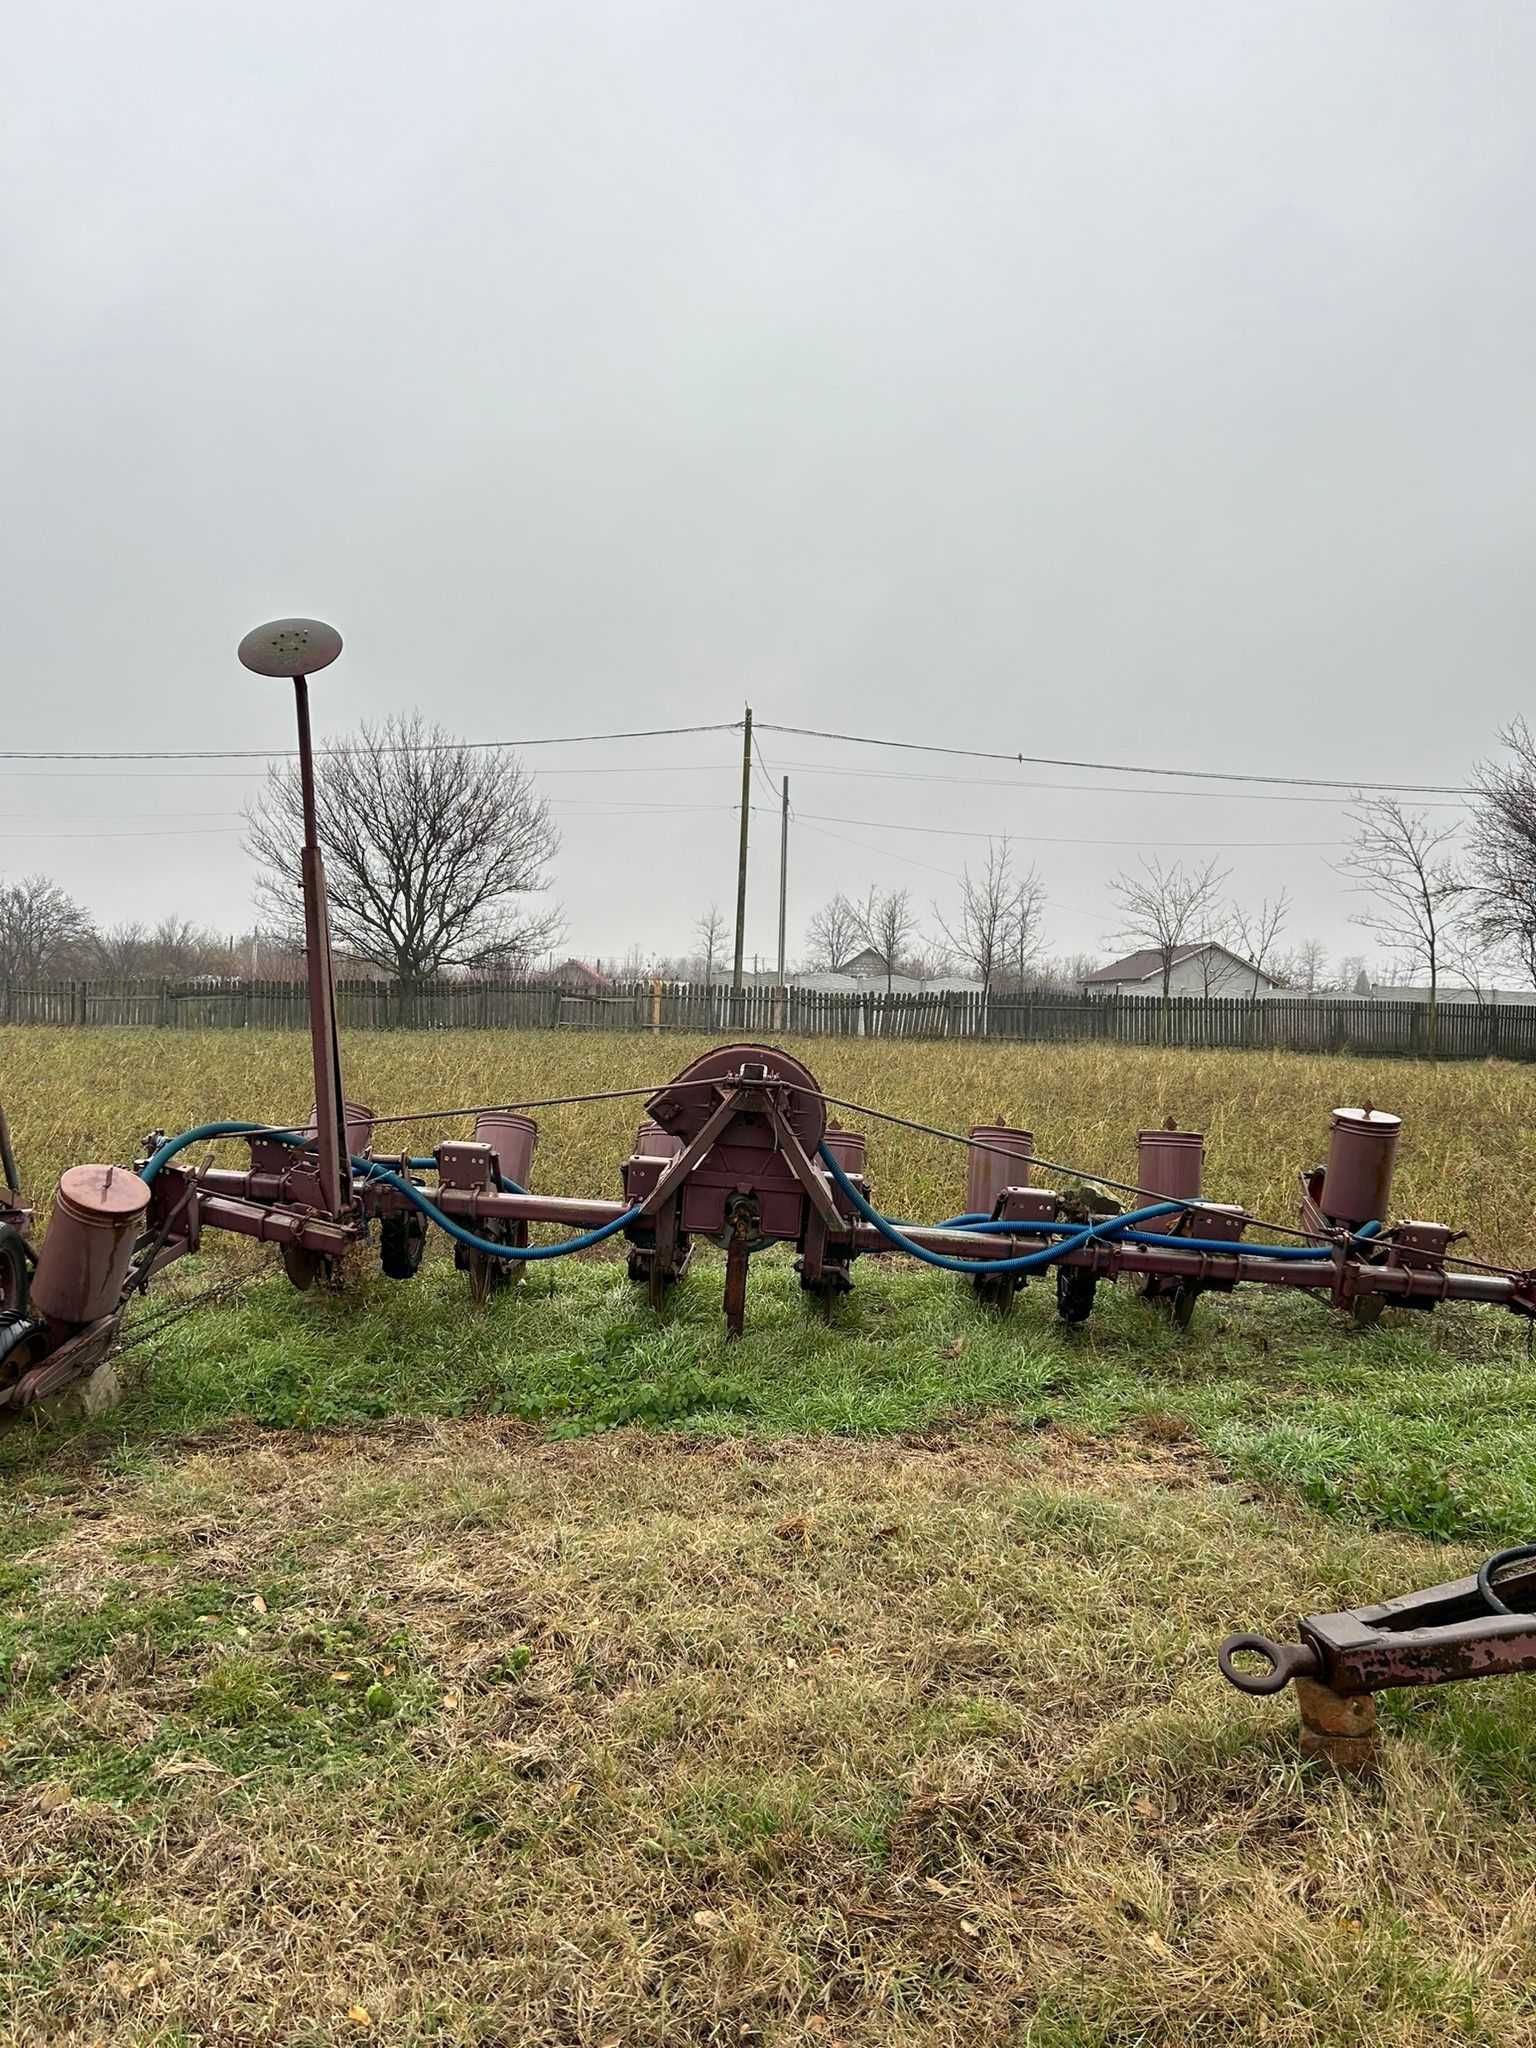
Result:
449,1734
552,1672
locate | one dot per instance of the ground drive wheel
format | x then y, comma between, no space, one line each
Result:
1075,1289
402,1240
15,1271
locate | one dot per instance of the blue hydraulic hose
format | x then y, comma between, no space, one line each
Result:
1233,1248
172,1146
1026,1262
1072,1238
460,1235
369,1170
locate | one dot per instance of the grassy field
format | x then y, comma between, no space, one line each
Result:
392,1669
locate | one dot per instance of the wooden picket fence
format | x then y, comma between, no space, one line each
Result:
1295,1024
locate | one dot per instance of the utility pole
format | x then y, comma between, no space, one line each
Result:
783,874
741,859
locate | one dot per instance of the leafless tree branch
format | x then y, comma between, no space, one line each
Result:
427,853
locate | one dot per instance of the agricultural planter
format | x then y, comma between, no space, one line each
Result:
738,1150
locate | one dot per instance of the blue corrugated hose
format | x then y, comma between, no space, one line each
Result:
1101,1232
370,1171
1233,1248
1072,1237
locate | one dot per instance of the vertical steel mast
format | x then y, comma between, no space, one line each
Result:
297,648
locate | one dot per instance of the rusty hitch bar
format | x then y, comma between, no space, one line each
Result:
1478,1627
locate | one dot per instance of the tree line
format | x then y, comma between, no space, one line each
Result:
438,856
1434,904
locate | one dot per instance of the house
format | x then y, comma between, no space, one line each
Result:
866,965
1391,992
1206,969
578,978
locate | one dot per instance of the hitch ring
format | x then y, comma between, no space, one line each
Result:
1286,1661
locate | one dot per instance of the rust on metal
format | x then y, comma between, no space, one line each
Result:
1337,1729
83,1265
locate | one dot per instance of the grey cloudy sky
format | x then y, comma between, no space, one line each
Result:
1147,381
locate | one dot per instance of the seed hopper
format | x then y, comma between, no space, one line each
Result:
741,1150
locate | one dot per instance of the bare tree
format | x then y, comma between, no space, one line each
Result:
886,925
1022,926
1502,852
1467,958
1307,967
1257,934
1213,963
832,935
38,923
175,946
710,929
431,848
1165,909
1353,977
990,910
119,950
1399,860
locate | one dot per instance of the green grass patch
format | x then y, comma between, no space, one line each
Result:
1423,1424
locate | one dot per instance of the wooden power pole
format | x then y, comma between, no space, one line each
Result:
783,874
741,859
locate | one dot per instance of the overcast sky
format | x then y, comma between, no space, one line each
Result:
1147,382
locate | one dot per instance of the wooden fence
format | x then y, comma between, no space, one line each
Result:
1296,1024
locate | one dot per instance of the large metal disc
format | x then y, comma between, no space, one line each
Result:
683,1107
290,647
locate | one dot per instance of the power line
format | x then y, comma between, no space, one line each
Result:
1055,839
1223,796
773,787
880,852
140,774
854,739
157,832
732,726
132,817
572,739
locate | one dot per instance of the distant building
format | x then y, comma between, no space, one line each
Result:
578,978
866,965
1204,969
1387,992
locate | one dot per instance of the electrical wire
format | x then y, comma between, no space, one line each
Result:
773,788
880,852
1227,796
156,832
1056,839
573,739
855,739
735,725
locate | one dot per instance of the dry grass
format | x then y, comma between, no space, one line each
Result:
448,1733
478,1739
1467,1155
